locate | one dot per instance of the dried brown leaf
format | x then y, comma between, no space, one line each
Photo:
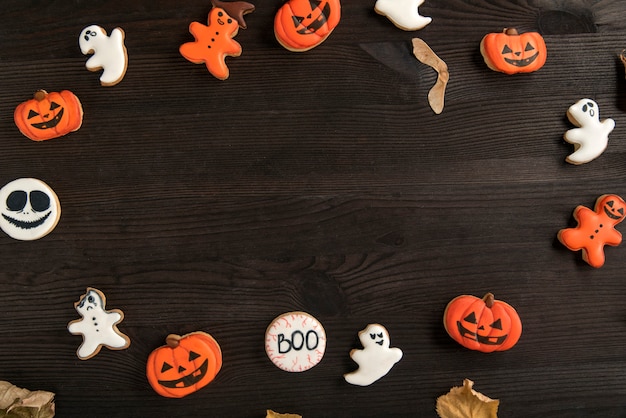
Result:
272,414
425,55
465,402
21,403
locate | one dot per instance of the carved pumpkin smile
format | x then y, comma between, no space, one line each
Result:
523,62
482,339
49,123
610,211
315,24
189,380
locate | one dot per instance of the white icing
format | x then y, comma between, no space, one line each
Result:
295,341
403,13
376,359
98,326
29,209
109,53
591,137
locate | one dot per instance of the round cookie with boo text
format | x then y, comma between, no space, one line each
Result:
295,341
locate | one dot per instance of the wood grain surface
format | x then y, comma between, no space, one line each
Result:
318,182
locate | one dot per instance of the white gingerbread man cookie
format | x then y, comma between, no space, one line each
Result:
403,13
98,326
591,137
376,359
109,53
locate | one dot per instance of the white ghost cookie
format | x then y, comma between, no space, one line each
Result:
376,358
109,53
591,137
98,326
29,209
403,13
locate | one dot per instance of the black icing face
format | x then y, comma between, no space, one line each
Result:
28,209
313,21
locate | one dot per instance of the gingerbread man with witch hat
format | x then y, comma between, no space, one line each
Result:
596,228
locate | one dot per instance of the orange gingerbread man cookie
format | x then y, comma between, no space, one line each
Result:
214,42
596,228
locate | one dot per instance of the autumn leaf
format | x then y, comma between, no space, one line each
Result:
465,402
272,414
21,403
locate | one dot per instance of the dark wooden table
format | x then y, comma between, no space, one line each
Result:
322,182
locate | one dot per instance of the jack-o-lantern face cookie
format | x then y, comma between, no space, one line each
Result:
184,365
29,209
596,228
510,52
49,115
485,324
300,25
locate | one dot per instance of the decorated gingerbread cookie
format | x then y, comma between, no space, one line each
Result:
98,326
295,341
510,52
49,115
376,358
482,324
184,365
300,25
591,136
109,53
403,13
214,42
30,209
596,228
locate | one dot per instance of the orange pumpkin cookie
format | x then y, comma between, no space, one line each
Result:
301,25
485,324
596,228
49,115
510,52
184,365
213,42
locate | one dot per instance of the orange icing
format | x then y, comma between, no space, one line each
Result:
213,43
595,229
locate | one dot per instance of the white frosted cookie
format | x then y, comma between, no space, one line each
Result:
403,13
376,359
295,341
97,325
591,137
29,209
109,53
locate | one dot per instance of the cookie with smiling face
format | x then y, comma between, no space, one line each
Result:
29,209
376,358
596,228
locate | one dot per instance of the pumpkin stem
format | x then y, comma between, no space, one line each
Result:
511,31
172,340
489,299
40,95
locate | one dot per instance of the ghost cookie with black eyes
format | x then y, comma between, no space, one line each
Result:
29,209
591,136
109,53
97,325
376,358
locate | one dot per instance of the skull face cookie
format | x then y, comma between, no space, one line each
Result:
109,53
98,326
376,359
591,136
29,209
